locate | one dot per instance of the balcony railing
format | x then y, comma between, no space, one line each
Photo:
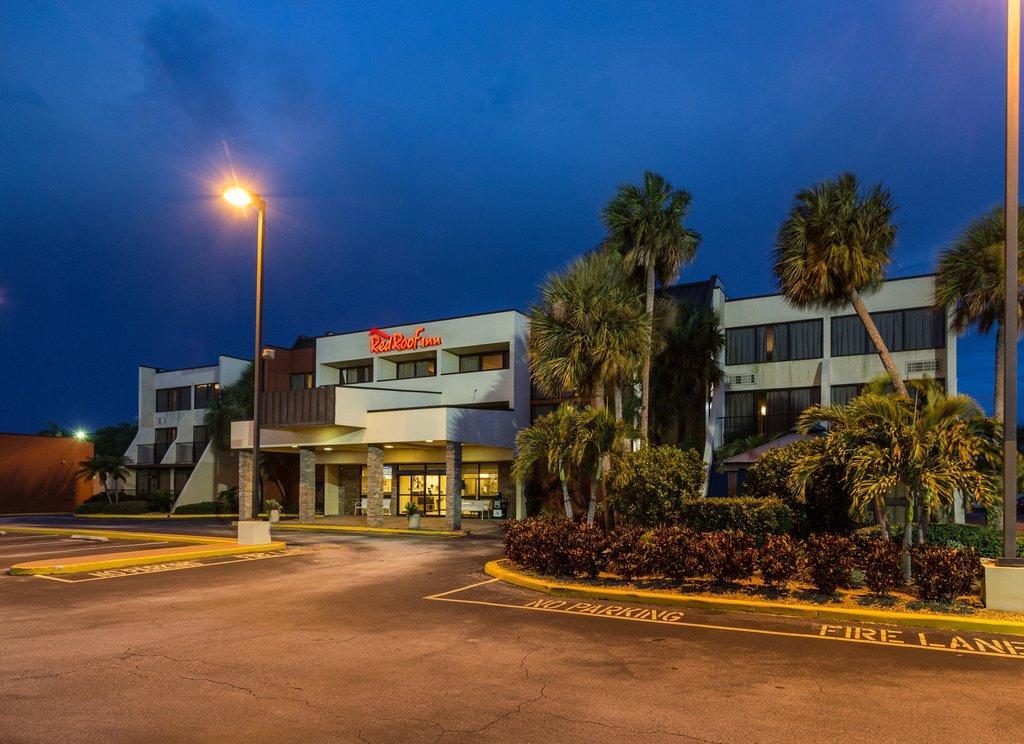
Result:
150,454
188,453
307,407
739,427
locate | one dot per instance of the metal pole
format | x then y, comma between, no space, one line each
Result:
1010,288
257,417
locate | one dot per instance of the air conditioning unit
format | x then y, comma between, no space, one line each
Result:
747,379
928,365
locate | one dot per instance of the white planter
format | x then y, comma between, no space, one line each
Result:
414,521
275,515
253,532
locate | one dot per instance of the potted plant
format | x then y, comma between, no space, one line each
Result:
414,514
274,510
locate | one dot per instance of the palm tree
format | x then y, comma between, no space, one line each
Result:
232,403
684,371
588,329
930,447
107,468
549,439
970,280
645,226
833,248
598,433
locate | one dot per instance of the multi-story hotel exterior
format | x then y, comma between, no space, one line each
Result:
171,450
371,420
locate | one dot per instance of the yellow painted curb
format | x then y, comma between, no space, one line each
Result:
35,514
160,516
368,530
564,589
205,547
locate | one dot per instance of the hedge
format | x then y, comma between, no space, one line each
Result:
204,507
756,516
121,507
986,541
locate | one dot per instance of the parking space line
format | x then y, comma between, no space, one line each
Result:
84,548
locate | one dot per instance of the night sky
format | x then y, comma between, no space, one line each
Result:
434,159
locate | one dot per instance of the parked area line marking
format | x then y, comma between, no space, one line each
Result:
80,548
122,573
890,637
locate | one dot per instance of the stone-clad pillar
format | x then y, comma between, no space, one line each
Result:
307,484
453,484
245,510
374,485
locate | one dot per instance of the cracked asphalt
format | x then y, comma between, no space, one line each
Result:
339,644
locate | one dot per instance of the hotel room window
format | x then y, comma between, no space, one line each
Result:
488,360
419,368
203,394
173,399
355,375
300,380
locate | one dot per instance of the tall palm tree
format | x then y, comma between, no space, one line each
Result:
930,446
970,280
598,433
833,248
645,226
549,440
684,372
588,328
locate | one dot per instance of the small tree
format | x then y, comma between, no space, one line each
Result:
107,468
647,488
550,440
597,433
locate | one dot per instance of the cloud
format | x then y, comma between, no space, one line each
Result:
194,64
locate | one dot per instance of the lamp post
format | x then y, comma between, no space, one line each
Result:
1010,290
242,198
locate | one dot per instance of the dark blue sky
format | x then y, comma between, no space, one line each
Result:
431,159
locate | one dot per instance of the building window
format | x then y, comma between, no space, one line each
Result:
778,342
173,399
300,380
841,395
419,368
765,412
354,375
163,439
203,394
901,330
484,362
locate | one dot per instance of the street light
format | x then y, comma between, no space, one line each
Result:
242,198
1010,289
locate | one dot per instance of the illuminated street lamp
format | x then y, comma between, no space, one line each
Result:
81,435
1011,290
243,198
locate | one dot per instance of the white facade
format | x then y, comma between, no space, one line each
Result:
170,450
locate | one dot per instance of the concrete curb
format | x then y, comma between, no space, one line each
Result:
387,531
192,547
499,569
158,517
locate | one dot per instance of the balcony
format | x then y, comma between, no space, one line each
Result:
188,453
294,408
150,454
740,427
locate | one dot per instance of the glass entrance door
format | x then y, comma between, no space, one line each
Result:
424,486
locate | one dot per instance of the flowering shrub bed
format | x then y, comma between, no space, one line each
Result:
561,547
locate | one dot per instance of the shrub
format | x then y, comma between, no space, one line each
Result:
555,546
161,501
676,554
229,497
754,516
727,556
648,488
777,559
987,541
829,561
882,561
630,553
943,574
203,507
121,507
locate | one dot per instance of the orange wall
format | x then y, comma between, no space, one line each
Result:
38,474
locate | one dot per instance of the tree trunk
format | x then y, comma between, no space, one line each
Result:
997,401
876,338
645,383
908,537
592,506
922,523
618,401
566,501
880,518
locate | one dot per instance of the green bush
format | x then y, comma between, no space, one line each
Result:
987,541
727,556
829,560
555,546
755,516
161,501
943,574
121,507
204,507
676,553
229,497
777,559
882,561
649,487
631,553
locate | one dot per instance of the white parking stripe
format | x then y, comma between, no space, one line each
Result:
31,543
82,549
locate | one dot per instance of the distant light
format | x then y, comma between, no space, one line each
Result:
81,435
429,441
327,449
238,196
764,410
389,446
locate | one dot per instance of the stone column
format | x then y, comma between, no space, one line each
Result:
374,485
245,485
350,489
307,484
453,484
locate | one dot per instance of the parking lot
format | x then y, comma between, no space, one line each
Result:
383,639
18,548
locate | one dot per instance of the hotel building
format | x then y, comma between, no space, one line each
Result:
365,422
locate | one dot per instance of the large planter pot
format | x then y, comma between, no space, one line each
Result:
275,515
414,521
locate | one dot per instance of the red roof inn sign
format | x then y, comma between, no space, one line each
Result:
381,341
